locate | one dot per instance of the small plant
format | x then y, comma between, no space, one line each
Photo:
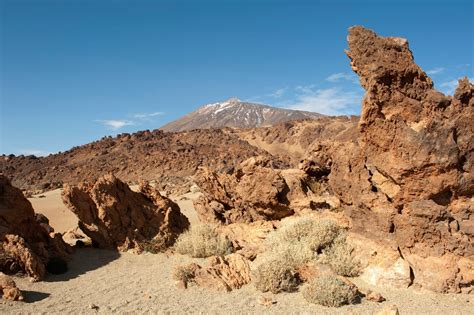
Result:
275,275
330,291
184,274
203,241
153,246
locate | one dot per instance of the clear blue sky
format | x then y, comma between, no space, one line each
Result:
74,71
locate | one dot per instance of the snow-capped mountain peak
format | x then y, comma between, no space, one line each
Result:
236,113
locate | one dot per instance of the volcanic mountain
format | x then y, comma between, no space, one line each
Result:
236,114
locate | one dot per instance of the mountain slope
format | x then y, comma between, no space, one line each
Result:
236,114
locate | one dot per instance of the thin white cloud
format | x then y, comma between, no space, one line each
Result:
35,152
449,87
146,116
435,70
115,124
331,101
279,93
305,88
342,76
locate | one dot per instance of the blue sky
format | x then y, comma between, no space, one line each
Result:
74,71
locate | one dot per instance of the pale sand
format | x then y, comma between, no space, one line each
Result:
128,283
60,217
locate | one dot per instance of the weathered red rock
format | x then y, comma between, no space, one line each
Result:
9,289
408,177
223,273
26,244
256,190
116,217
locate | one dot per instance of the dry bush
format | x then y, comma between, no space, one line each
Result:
203,241
154,246
275,275
330,291
184,274
299,242
339,257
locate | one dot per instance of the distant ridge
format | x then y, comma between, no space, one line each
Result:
236,114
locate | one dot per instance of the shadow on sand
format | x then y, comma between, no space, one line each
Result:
84,260
33,296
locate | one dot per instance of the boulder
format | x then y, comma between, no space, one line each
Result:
9,290
27,246
223,273
248,239
116,217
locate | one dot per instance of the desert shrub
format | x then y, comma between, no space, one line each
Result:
202,241
339,257
153,246
328,290
185,274
275,275
299,242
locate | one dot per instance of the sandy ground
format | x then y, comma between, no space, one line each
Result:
101,281
51,205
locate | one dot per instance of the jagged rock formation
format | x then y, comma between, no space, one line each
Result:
8,289
408,176
256,190
248,239
144,155
26,243
289,141
116,217
236,114
224,273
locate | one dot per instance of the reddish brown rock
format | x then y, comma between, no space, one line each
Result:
223,273
116,217
248,239
8,289
26,243
148,155
408,176
255,190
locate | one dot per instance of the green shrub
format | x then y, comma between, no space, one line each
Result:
203,241
328,290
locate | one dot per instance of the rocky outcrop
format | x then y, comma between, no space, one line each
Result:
9,289
144,155
248,239
116,217
408,177
255,190
223,273
27,245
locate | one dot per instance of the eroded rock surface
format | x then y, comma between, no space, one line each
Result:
116,217
255,190
408,177
224,273
27,246
9,289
